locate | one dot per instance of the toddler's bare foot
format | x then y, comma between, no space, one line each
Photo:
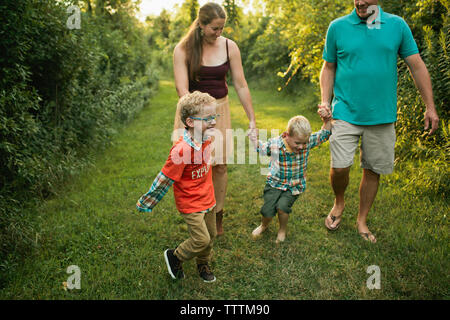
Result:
281,237
258,231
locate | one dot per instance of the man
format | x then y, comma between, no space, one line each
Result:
360,69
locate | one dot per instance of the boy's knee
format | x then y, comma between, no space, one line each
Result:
283,207
202,242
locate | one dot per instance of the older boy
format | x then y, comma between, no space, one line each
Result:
188,169
286,179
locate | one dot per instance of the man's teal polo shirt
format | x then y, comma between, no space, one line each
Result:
365,87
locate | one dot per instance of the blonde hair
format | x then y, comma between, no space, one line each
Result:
192,42
299,126
193,103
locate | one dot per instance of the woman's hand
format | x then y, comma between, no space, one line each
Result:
252,130
253,135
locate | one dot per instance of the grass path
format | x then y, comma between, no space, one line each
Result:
92,223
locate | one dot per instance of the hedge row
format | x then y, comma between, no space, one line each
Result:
63,92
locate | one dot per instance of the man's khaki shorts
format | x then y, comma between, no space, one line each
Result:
377,146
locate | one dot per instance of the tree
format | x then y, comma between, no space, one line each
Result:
232,12
190,7
163,22
305,24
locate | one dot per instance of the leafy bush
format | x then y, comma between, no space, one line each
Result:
62,93
425,158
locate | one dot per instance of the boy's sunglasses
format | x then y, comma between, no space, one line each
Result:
208,120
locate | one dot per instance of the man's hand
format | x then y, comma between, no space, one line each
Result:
432,118
324,111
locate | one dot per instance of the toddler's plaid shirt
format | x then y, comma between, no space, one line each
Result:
288,169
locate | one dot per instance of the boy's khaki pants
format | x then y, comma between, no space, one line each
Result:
202,231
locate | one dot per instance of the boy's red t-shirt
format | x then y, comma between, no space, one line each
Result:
191,170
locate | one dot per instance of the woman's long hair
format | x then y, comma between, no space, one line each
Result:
192,41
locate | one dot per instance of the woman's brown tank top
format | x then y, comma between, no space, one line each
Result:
212,80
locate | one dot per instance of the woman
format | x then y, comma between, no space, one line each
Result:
201,61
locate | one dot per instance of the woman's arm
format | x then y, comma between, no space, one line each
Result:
180,70
239,82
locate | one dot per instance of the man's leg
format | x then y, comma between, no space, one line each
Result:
339,178
367,193
343,144
377,157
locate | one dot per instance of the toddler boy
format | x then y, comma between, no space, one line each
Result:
289,158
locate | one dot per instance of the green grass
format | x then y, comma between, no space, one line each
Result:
92,223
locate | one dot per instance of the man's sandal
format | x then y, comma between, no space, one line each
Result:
368,236
333,219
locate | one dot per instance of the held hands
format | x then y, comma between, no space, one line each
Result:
324,112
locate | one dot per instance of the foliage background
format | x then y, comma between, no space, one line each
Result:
63,93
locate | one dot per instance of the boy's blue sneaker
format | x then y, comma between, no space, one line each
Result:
173,264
